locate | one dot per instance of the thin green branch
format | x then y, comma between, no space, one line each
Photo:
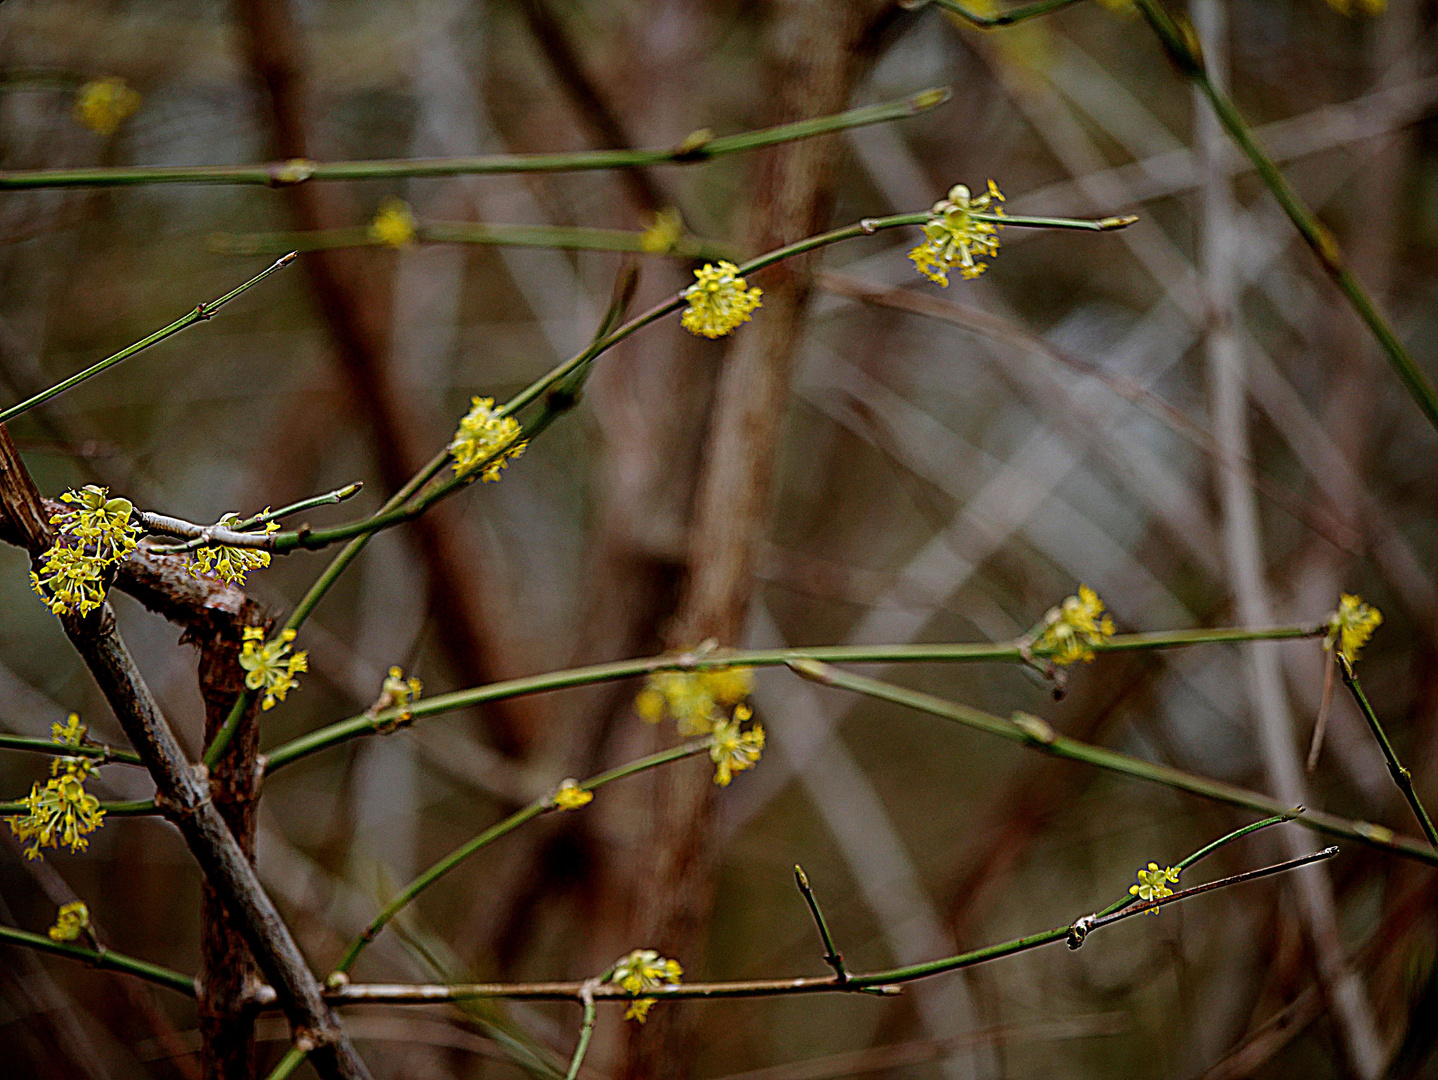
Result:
201,313
1034,733
498,830
586,1031
104,754
1401,776
872,982
1005,652
832,956
1007,18
562,237
293,1059
101,958
132,808
1181,43
1108,224
214,534
700,146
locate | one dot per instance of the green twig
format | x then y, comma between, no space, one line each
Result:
586,1030
1004,652
700,146
199,314
832,956
132,808
293,1059
562,237
1034,733
101,958
329,498
494,832
99,751
1181,43
873,982
1401,776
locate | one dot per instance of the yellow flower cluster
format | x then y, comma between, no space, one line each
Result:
734,750
394,224
664,232
644,969
95,534
1350,627
952,235
71,921
269,666
102,105
62,811
229,564
1070,631
1153,883
570,796
697,700
719,300
485,441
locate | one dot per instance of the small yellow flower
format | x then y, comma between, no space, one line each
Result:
229,564
1351,626
718,301
95,535
733,750
270,667
485,442
397,692
1071,630
697,700
71,920
394,224
1153,883
103,104
70,733
952,235
644,969
570,796
60,812
664,232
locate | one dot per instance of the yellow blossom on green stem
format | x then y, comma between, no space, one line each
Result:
270,667
59,812
398,692
394,224
570,796
719,300
1153,883
953,236
102,105
1350,627
733,749
71,921
697,700
1069,632
230,564
664,232
644,969
485,441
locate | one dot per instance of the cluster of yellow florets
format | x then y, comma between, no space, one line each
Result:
61,811
663,234
102,105
570,796
1350,627
719,300
953,236
1153,883
394,224
269,666
397,692
641,970
95,534
485,441
1070,631
230,564
709,702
